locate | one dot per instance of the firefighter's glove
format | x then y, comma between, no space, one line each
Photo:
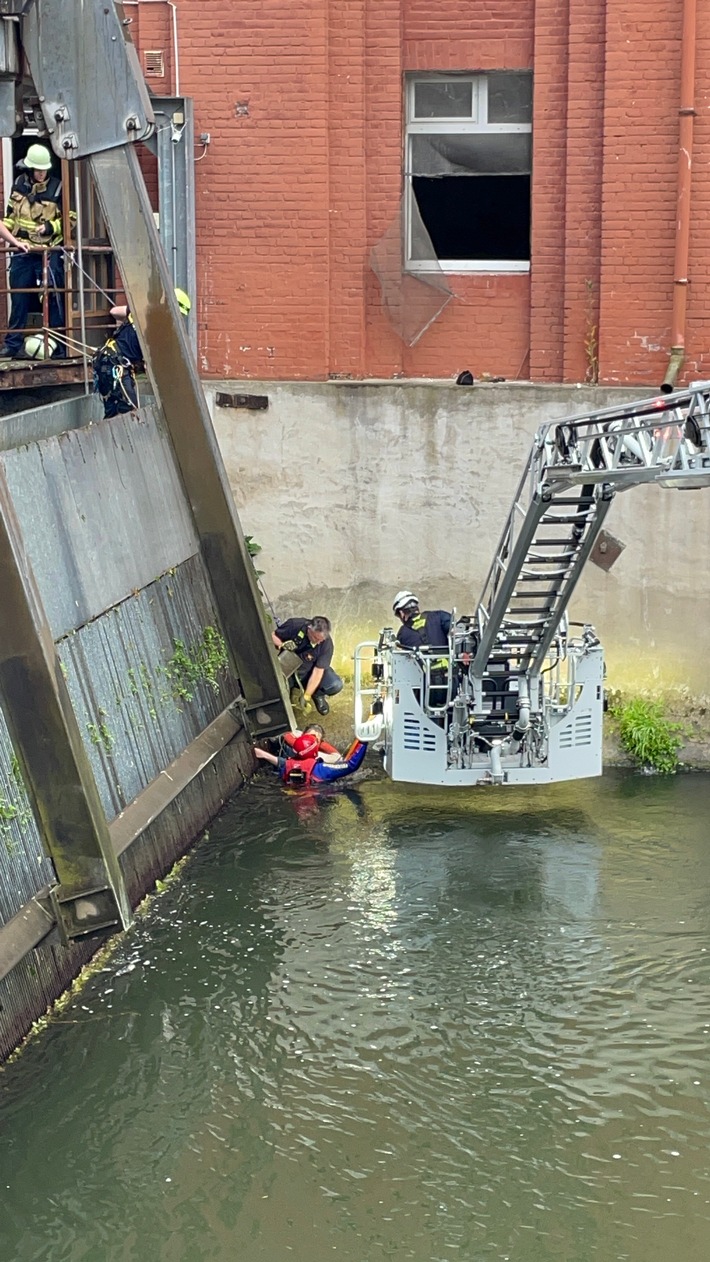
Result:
22,234
46,230
308,705
289,646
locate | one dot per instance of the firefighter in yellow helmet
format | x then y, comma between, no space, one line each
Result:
120,357
34,219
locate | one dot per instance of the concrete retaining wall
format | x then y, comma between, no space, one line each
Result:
356,490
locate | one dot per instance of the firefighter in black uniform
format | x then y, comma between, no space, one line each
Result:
310,640
120,358
427,629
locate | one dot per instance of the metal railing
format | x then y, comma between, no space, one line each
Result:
70,319
86,322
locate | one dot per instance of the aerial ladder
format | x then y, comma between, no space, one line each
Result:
524,697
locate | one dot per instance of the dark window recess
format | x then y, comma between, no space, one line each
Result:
476,217
254,402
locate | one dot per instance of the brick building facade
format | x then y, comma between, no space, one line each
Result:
306,106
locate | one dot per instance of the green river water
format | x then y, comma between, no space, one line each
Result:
389,1022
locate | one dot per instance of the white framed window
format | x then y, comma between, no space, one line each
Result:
468,160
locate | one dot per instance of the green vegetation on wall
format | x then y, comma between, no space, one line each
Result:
646,734
14,806
170,682
201,662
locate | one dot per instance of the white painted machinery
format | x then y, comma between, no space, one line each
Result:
517,697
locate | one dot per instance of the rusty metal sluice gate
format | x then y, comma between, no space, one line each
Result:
135,659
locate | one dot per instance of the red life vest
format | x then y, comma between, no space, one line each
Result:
297,772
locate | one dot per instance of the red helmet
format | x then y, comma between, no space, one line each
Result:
306,746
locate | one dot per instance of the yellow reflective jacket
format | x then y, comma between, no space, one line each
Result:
34,210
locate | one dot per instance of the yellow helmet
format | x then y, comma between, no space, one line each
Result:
183,302
38,158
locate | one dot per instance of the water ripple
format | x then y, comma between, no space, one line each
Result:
392,1024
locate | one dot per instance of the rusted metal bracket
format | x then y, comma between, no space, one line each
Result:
606,550
251,402
87,75
25,931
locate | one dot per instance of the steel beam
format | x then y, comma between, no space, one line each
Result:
87,75
128,215
47,741
25,931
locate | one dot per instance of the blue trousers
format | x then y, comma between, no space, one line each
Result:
26,273
330,684
324,773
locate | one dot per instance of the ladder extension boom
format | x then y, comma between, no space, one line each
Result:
574,469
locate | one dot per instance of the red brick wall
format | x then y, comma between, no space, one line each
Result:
640,157
304,104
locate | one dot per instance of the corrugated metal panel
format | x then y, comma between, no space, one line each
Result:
117,669
102,512
33,985
29,426
24,868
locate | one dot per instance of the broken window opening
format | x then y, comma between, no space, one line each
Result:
468,171
484,218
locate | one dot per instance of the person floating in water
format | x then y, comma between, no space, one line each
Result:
284,744
308,764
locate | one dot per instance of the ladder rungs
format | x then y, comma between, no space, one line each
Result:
536,559
554,543
513,622
517,639
569,500
566,519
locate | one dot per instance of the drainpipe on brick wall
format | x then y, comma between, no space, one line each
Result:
685,169
174,23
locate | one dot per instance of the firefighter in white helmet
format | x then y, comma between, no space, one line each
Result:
425,629
430,627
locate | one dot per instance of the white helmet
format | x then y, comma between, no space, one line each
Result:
402,599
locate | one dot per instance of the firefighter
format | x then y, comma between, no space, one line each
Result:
307,766
120,358
34,218
427,629
310,640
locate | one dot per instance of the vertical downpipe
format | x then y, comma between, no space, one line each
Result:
685,168
80,261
